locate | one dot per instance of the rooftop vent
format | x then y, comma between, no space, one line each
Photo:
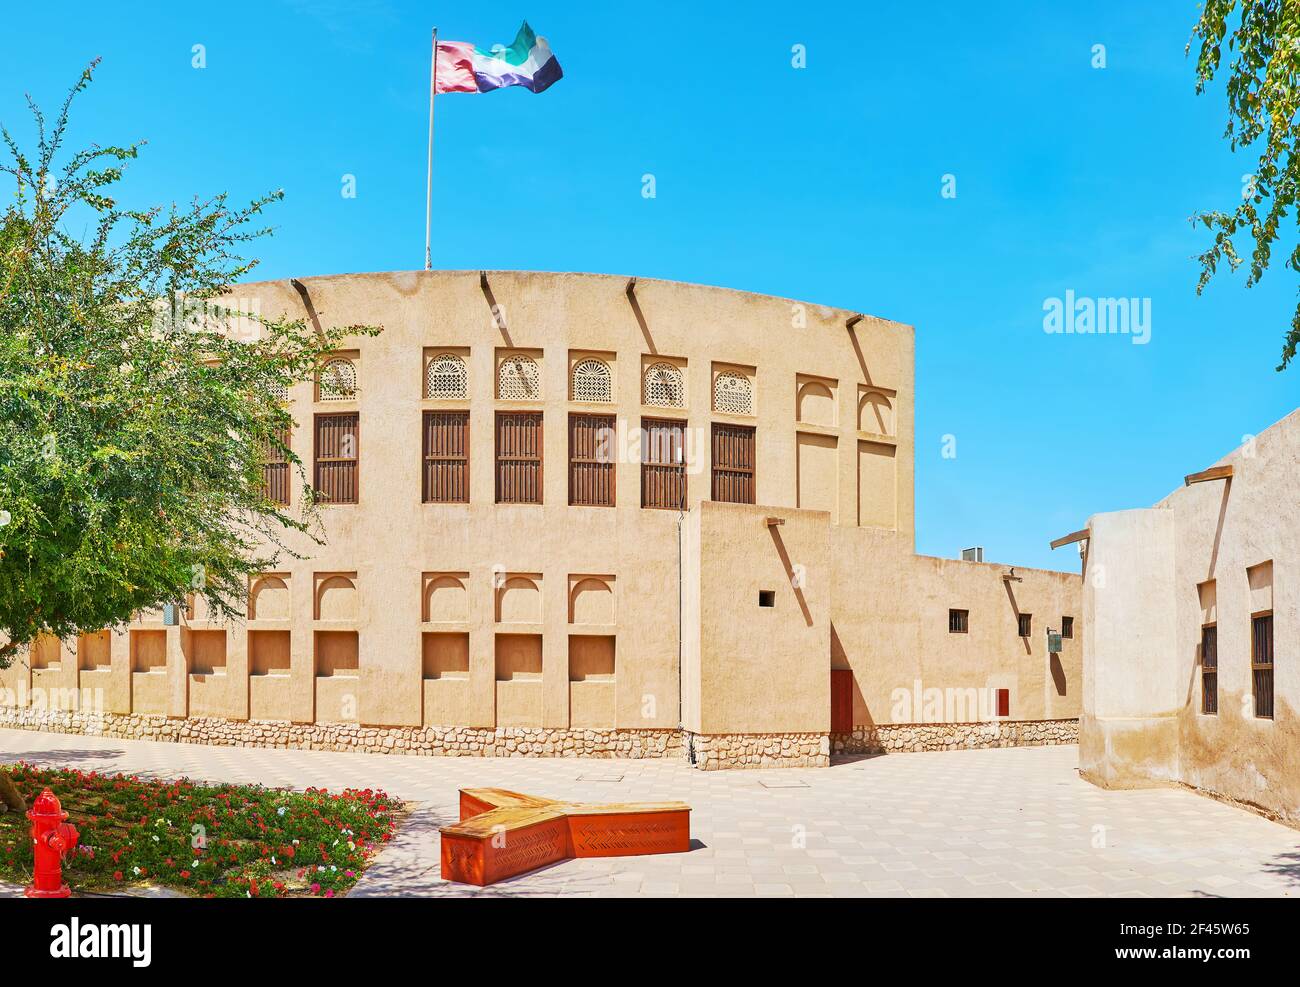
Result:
975,554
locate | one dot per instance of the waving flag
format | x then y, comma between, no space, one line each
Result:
463,68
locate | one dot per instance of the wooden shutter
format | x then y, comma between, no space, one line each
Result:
1261,663
591,460
519,457
446,457
663,463
275,474
733,463
1210,669
338,450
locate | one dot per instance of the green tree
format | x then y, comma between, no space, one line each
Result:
136,414
1263,89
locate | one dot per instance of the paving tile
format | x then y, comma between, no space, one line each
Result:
1004,822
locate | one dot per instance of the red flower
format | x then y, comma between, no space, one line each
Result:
117,875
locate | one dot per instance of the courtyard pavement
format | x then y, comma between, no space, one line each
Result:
1014,822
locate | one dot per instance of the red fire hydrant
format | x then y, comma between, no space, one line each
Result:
52,840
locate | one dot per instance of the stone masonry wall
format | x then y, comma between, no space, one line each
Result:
427,741
898,737
711,751
759,750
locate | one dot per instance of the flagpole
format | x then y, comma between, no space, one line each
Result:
428,181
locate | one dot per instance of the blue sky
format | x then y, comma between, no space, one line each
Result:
820,183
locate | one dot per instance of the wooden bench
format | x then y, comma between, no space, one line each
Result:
503,833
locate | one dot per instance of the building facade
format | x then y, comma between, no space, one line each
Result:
582,514
1192,609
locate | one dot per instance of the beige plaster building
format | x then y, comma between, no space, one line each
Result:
582,514
1191,609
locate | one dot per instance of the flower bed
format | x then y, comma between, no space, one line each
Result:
210,840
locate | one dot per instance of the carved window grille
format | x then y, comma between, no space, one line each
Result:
663,386
592,381
733,394
446,378
518,379
337,381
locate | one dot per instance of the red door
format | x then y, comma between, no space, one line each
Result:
841,700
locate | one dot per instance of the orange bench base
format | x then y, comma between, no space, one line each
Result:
502,834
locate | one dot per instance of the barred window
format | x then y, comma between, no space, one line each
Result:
663,386
518,379
592,381
446,378
519,457
275,471
1067,628
663,464
1210,669
958,621
337,381
446,457
1026,622
591,460
337,455
1261,663
733,393
733,463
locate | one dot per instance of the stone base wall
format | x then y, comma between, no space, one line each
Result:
426,741
891,738
709,751
759,750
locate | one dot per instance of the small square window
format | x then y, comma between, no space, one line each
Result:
958,621
1026,624
767,597
1067,628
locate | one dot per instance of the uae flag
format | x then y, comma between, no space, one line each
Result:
462,68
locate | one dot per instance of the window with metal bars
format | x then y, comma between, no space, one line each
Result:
275,471
519,457
733,463
591,460
1261,663
1209,669
1026,622
446,457
338,453
958,621
1067,628
663,464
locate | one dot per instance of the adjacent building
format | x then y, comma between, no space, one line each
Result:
591,515
1191,611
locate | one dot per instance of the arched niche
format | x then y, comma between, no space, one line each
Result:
336,598
269,599
591,600
876,412
445,597
815,403
519,600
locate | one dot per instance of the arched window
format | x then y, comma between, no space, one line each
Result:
733,393
663,387
592,381
337,381
446,378
518,379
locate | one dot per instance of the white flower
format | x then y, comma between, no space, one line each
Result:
280,811
135,871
